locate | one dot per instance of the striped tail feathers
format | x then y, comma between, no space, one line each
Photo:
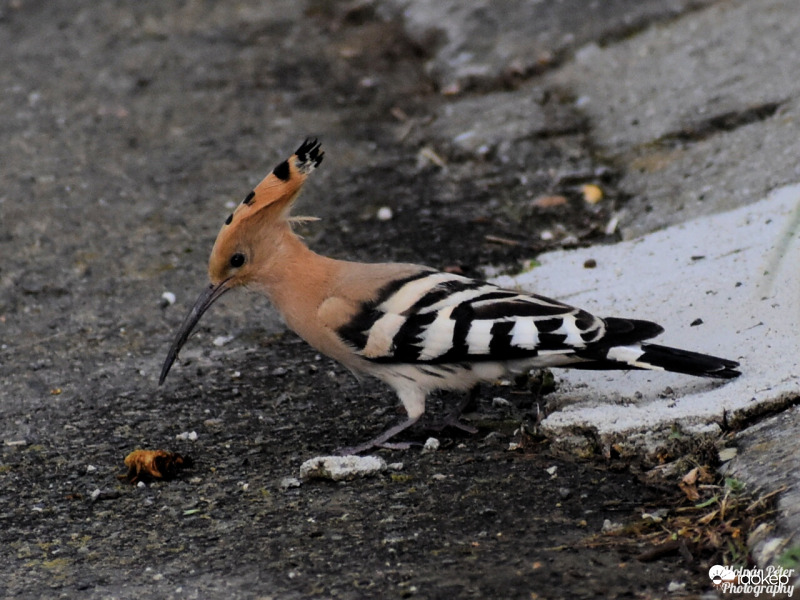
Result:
658,358
622,345
690,363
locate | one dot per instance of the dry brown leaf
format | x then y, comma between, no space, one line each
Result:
688,484
147,465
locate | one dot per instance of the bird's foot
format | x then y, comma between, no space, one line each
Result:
382,441
452,421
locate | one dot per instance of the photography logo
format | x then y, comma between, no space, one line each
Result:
770,581
720,575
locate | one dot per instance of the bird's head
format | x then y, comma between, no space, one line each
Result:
247,244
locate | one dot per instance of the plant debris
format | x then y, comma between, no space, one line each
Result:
709,518
149,465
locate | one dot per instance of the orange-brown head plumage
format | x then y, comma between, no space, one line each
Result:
249,243
246,232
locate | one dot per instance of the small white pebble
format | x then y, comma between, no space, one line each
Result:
141,485
96,493
497,402
398,466
169,298
431,445
439,476
612,225
546,235
187,435
582,101
289,482
609,526
221,340
514,446
552,470
676,586
244,485
90,469
338,468
384,213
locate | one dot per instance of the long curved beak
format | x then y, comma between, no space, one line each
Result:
207,297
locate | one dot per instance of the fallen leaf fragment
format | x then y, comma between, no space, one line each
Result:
688,485
149,465
689,482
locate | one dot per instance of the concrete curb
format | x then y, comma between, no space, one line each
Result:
735,271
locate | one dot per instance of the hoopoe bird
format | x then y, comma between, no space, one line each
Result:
413,327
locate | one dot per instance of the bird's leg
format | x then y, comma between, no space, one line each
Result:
382,441
452,418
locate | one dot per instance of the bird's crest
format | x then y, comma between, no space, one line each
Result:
278,190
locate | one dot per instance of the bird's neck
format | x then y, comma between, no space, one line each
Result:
297,278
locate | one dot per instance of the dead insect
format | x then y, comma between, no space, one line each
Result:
149,465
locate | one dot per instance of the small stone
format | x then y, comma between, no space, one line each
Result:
99,494
167,299
341,468
384,213
221,340
589,263
552,470
289,483
90,469
676,586
187,435
609,526
396,466
612,225
564,493
431,445
727,454
498,402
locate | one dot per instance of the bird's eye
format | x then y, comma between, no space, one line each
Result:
237,260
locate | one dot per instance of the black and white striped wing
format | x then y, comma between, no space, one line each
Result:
434,317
